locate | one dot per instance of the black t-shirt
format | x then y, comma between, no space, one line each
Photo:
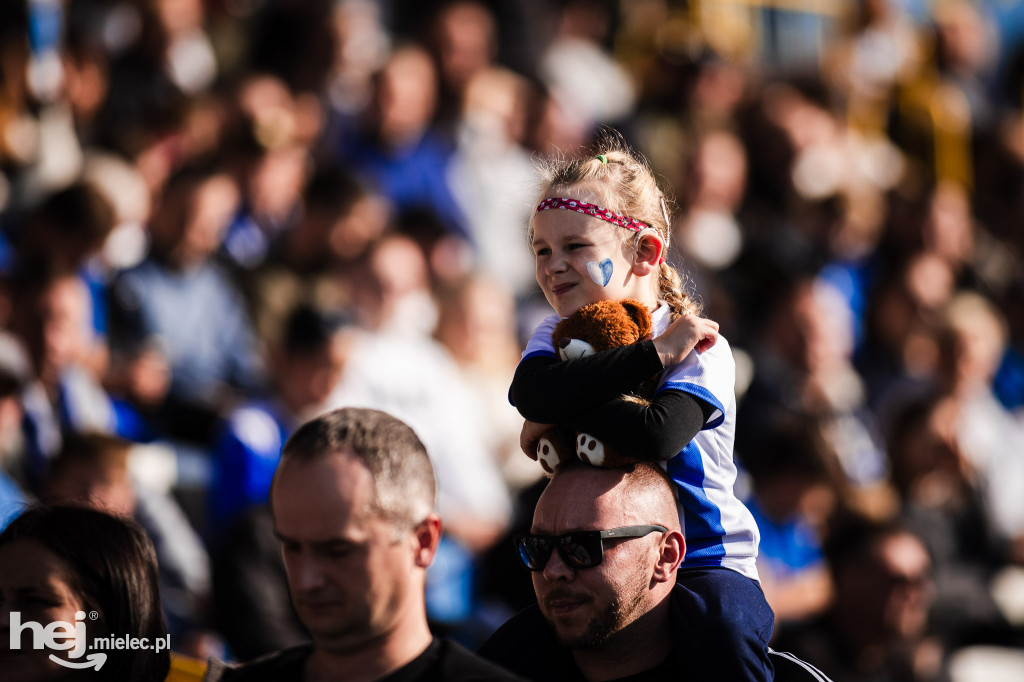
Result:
442,661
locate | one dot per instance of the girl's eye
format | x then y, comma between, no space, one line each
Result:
543,252
573,247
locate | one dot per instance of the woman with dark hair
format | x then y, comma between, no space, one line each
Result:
92,571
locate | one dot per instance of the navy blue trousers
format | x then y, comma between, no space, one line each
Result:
729,625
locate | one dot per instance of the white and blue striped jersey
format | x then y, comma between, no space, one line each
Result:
719,529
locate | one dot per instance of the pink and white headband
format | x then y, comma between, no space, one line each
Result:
598,212
594,210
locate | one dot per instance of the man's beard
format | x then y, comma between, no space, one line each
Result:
619,612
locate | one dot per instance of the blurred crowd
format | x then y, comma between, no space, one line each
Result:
220,218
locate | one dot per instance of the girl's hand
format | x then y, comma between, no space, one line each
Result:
685,334
529,436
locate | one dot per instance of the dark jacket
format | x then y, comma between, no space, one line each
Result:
526,645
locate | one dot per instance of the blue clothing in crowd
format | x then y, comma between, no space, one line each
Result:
413,176
245,458
788,546
199,320
12,500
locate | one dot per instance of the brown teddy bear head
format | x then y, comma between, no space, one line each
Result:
601,325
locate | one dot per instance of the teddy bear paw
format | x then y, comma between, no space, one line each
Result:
547,456
590,449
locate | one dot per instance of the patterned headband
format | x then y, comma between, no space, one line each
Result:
598,212
594,210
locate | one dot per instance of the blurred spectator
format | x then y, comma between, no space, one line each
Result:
899,357
66,229
942,502
708,231
798,486
361,47
271,161
578,69
477,326
555,126
394,144
305,367
121,183
883,50
178,327
416,378
965,52
949,229
53,318
877,626
972,343
341,219
391,289
63,236
804,366
492,176
464,40
92,470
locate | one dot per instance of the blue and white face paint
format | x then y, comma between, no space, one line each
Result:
601,272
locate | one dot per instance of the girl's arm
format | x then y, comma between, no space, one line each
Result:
548,390
654,432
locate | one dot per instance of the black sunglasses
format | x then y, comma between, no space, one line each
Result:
578,549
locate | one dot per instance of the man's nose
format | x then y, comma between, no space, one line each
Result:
307,575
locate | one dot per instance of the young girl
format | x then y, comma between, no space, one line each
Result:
600,232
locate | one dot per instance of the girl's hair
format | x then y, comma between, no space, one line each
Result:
115,571
627,185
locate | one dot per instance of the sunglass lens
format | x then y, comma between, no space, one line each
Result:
535,550
581,551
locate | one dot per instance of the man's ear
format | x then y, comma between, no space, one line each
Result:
426,537
650,248
671,553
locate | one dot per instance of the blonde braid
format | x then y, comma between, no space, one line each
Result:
671,290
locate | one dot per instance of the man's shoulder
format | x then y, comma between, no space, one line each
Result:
288,664
458,664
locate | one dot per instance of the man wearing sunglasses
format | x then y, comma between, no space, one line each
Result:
603,550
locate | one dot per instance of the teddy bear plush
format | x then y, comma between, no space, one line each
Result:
593,328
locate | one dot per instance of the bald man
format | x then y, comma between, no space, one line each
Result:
604,549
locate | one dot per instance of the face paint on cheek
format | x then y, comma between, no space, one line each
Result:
601,272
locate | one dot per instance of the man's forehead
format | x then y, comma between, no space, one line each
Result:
581,499
327,492
338,470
